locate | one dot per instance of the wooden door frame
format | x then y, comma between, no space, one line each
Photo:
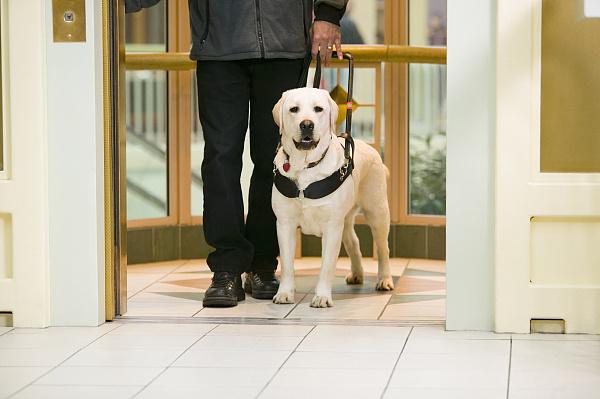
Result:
396,121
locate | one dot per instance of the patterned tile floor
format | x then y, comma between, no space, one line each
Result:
175,289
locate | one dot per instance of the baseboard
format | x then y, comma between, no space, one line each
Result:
163,243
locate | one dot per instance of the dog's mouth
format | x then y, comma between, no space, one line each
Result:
305,144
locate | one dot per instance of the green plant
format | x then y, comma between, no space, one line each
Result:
427,174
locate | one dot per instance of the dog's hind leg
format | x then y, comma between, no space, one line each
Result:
352,246
379,221
374,203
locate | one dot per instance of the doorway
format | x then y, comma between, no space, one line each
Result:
401,112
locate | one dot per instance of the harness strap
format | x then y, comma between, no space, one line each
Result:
315,190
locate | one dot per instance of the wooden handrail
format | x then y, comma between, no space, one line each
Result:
361,53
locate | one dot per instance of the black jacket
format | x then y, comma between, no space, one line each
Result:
244,29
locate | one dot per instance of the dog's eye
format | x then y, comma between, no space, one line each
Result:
293,110
318,109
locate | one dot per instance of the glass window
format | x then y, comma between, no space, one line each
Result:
363,22
570,78
146,119
427,112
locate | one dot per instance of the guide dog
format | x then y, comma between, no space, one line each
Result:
311,152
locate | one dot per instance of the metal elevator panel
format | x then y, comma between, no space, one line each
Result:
68,20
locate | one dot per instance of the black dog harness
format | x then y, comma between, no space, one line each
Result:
331,183
315,190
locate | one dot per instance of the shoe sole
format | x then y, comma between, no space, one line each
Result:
221,302
259,294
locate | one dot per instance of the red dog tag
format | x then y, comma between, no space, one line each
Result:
286,166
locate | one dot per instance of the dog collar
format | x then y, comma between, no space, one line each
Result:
315,190
310,165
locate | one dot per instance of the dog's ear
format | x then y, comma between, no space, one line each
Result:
333,114
278,112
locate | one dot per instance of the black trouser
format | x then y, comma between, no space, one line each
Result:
226,91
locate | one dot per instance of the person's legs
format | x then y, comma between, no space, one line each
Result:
223,95
269,79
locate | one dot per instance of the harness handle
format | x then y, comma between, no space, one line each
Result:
347,135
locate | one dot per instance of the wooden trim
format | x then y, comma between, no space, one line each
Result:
378,100
395,109
121,263
184,115
423,220
164,221
173,121
396,121
109,247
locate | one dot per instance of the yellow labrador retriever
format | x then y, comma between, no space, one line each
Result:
310,152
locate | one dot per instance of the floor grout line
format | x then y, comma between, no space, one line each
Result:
201,309
175,360
295,305
509,368
64,361
284,362
385,307
396,364
7,331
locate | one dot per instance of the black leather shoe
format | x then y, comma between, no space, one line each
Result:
224,291
261,285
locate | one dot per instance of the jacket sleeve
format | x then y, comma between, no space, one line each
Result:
137,5
330,10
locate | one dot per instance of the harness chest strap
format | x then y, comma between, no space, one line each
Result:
315,190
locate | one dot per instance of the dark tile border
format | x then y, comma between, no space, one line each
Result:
154,244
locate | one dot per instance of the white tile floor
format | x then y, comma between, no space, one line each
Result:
156,360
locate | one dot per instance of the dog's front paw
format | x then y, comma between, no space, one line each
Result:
385,284
321,301
352,279
284,297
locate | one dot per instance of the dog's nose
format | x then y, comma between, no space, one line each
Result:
307,127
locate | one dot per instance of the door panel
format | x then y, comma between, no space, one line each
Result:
547,229
23,193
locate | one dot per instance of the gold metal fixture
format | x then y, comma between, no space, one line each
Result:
68,20
361,53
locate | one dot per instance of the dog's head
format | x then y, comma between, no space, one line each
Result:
305,116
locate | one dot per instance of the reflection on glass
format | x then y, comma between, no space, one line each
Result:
427,112
335,81
146,120
363,22
146,30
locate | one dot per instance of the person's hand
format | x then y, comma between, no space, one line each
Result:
325,35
